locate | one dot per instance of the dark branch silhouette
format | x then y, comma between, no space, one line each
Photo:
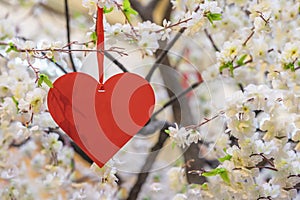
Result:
164,53
142,177
69,34
175,98
56,64
115,61
211,40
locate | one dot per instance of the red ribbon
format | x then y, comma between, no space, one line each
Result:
100,44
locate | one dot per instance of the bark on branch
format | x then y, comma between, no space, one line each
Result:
142,177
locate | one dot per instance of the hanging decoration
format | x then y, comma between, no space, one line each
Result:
101,117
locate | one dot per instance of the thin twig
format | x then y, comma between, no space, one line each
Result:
291,188
69,33
56,64
14,144
247,62
35,70
248,38
206,120
259,167
2,56
297,175
115,61
62,50
211,40
164,53
127,19
264,157
176,97
175,24
268,198
263,17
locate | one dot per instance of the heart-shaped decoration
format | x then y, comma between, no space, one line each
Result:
101,119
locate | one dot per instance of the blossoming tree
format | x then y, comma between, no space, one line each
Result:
232,79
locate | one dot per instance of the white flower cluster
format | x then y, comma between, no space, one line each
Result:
263,125
147,34
92,4
41,156
183,137
258,150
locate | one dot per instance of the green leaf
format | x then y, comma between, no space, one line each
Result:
204,186
227,157
41,80
16,102
218,171
210,19
93,37
48,82
45,79
53,59
216,16
126,4
240,61
213,172
290,66
128,10
227,65
225,177
224,66
105,10
167,131
12,47
213,17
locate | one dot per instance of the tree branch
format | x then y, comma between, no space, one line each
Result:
180,108
115,61
211,40
154,124
142,177
151,127
14,144
69,34
66,140
56,64
182,114
176,97
164,53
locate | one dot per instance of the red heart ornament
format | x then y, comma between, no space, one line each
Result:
101,120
